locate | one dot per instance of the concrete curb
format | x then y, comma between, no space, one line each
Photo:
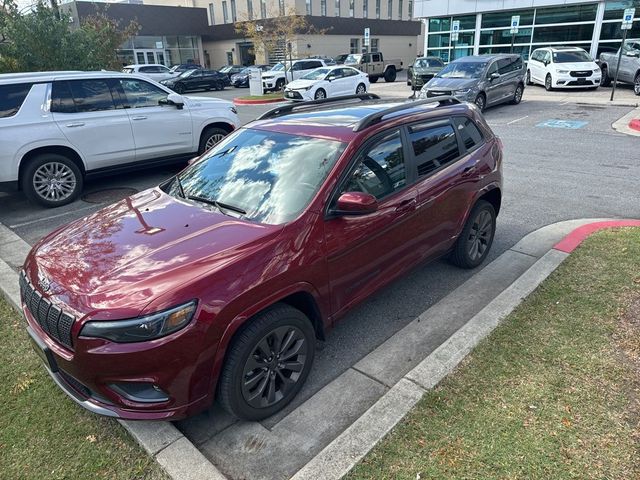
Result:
623,125
341,455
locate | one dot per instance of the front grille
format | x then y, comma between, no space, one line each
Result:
576,83
293,94
75,384
438,93
56,323
581,73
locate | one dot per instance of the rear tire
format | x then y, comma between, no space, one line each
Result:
474,243
51,180
179,88
373,79
390,75
210,137
517,95
636,84
605,80
255,382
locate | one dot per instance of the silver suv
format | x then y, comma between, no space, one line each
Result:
485,80
57,128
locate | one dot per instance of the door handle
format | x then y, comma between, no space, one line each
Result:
468,171
75,124
139,117
406,205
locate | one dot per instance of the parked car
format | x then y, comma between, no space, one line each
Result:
339,59
563,67
229,70
629,65
485,80
327,60
327,82
282,73
242,79
183,67
423,70
198,80
217,283
153,71
375,66
58,128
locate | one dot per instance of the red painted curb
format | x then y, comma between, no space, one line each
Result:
569,243
240,101
635,124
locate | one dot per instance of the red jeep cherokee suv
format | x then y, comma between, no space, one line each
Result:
217,283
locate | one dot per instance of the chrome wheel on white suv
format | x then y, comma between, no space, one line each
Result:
52,180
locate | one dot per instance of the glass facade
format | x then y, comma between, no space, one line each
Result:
167,50
592,26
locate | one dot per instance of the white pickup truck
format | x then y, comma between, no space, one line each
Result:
375,66
629,65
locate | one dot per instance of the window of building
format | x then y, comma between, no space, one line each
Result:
354,45
225,12
390,9
234,16
11,98
566,14
434,147
381,171
337,12
323,8
378,9
308,3
351,8
365,8
250,9
399,9
410,9
375,45
441,24
212,18
263,8
503,19
564,33
614,10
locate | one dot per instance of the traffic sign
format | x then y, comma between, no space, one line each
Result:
515,23
367,34
627,18
455,27
454,36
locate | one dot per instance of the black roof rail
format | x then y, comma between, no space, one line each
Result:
285,109
377,116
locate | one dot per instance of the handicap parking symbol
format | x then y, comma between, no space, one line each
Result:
571,124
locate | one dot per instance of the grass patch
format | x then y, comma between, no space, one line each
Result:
266,96
553,393
43,434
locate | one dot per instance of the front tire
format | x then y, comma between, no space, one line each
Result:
210,137
548,83
280,85
605,80
179,88
361,89
390,75
481,102
474,243
320,94
529,82
373,79
267,363
51,180
636,84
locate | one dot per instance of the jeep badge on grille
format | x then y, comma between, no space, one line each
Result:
43,282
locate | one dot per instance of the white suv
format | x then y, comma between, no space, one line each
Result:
277,78
154,71
56,128
563,67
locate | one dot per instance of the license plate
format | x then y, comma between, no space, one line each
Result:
582,80
43,351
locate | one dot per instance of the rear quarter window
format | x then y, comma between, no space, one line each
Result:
12,97
433,147
469,132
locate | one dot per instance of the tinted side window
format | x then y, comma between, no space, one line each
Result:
493,68
315,64
147,69
141,94
61,98
11,98
468,131
375,57
381,170
433,147
91,95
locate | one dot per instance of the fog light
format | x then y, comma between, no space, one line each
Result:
140,392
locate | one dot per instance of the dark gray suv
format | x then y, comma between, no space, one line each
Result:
485,80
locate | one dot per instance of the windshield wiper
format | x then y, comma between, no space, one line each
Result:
180,186
218,204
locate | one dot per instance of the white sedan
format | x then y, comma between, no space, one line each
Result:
327,82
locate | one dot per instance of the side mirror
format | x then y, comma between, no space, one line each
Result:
176,100
331,78
356,203
493,76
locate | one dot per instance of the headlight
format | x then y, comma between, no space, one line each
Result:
422,94
597,70
142,329
563,72
461,92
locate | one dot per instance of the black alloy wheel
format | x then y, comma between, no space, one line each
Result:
179,88
474,243
548,83
517,95
605,80
361,89
481,102
636,84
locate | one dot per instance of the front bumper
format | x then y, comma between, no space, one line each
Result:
567,80
469,96
269,84
298,95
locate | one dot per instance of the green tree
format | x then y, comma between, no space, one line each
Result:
46,39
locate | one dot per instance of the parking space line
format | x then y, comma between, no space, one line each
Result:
30,222
517,120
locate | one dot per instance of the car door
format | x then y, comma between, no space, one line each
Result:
446,156
536,66
377,64
337,84
159,129
493,86
365,251
351,81
90,116
509,76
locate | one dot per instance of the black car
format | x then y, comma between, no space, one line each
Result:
423,70
232,69
241,79
198,80
183,67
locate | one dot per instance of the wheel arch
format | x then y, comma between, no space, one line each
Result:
68,152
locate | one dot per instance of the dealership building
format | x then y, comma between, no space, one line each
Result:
485,25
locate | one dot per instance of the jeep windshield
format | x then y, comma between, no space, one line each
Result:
257,175
353,59
462,70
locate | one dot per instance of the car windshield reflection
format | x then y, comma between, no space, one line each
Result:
266,177
462,70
